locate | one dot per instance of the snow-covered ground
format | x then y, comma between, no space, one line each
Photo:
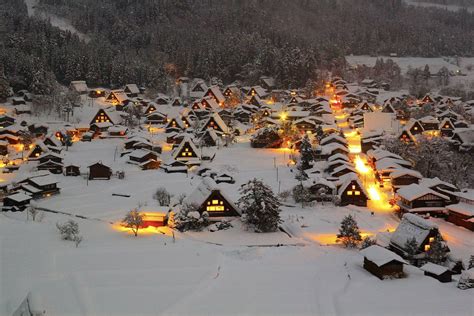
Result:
55,20
232,272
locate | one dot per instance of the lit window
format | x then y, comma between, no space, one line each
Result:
183,154
416,128
431,239
214,202
353,187
357,192
427,247
218,208
349,192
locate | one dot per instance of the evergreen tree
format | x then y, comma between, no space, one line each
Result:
306,153
260,207
438,250
367,242
349,233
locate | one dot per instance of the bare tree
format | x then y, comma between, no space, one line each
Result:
162,196
133,220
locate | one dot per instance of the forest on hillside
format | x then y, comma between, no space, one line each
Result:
152,42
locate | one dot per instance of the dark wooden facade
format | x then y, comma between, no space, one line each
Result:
98,171
392,269
353,194
217,205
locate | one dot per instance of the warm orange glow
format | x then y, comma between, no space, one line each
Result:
283,116
360,165
150,230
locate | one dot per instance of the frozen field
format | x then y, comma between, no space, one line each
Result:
232,272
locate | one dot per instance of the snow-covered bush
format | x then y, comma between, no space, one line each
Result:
188,218
223,225
68,230
284,195
466,280
349,234
162,196
260,207
302,195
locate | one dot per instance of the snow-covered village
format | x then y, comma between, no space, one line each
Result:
269,175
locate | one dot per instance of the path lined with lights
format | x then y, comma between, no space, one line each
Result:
379,198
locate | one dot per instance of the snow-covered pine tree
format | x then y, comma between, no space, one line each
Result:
411,247
349,233
302,195
306,153
367,242
438,250
133,220
260,207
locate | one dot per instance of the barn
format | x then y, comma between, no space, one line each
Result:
99,171
440,273
383,263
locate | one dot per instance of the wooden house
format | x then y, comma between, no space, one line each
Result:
131,90
267,83
255,100
209,138
351,191
402,177
79,86
463,139
461,214
388,108
209,104
231,91
155,118
97,93
150,108
216,123
3,147
174,166
333,139
442,187
427,99
38,129
16,202
117,97
198,89
413,227
187,151
99,171
6,121
40,186
104,116
141,155
305,125
414,127
162,99
258,91
382,262
429,123
440,273
216,94
175,124
446,128
366,107
18,101
150,164
416,198
72,170
37,150
211,199
52,166
406,136
22,109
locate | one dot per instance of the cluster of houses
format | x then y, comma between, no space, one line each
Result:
387,258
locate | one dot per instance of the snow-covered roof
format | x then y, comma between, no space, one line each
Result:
412,226
462,208
346,180
199,195
133,88
435,269
79,85
435,182
405,172
414,191
381,256
19,197
336,137
45,180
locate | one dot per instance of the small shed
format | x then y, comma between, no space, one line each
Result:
155,217
99,171
16,202
440,273
383,263
72,170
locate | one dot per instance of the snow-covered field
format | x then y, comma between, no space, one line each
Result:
449,7
232,272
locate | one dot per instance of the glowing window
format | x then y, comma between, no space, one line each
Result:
215,202
183,154
427,247
357,192
218,208
431,239
416,128
349,192
353,187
